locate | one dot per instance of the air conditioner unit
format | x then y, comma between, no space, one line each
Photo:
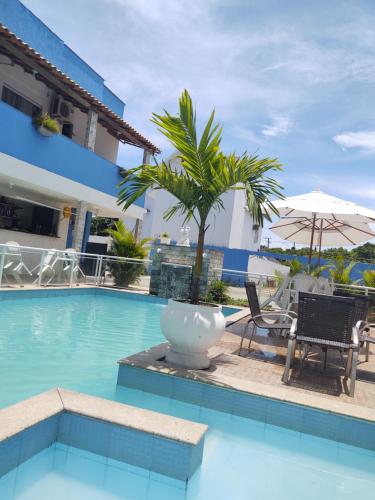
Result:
61,109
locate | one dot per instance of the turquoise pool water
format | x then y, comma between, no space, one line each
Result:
71,341
75,342
243,459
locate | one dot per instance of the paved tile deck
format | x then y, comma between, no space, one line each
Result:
260,372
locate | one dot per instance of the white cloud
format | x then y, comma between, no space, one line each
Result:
363,140
280,125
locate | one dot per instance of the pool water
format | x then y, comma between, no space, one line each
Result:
243,459
72,341
75,342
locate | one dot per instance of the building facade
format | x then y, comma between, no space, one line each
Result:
51,186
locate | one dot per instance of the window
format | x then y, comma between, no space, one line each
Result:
19,214
19,102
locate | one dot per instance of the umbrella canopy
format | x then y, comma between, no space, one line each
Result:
320,219
325,205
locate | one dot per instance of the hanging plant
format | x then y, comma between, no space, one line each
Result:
46,125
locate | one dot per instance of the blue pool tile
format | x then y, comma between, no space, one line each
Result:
38,437
357,433
188,391
158,383
130,446
249,406
9,453
320,423
171,458
83,432
284,415
132,377
217,398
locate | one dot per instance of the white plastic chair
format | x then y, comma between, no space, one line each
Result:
48,265
323,286
13,263
72,268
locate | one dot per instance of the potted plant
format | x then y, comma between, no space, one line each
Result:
46,125
165,239
124,244
206,174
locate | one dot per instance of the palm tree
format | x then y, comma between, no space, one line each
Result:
340,271
206,174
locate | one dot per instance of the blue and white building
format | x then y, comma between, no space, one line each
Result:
51,186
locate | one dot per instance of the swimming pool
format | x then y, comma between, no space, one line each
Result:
72,339
75,341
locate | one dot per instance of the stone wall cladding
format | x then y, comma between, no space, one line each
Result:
172,271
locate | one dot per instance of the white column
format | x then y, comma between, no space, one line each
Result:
92,123
79,225
146,157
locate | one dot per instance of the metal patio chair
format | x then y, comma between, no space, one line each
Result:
271,320
362,306
328,322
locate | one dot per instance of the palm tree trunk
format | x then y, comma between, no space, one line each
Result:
195,289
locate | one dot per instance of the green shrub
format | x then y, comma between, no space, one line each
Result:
368,277
124,244
218,293
47,122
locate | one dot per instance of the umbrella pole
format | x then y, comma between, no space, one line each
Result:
320,241
312,239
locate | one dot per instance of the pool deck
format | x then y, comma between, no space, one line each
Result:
259,372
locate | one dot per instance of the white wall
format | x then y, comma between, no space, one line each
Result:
231,227
105,144
264,265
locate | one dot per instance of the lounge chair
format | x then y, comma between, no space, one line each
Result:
328,322
324,286
71,268
13,263
271,320
48,265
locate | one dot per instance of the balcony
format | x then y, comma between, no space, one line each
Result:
56,154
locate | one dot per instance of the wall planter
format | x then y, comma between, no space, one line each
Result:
46,125
191,330
44,131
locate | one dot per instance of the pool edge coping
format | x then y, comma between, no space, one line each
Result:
149,360
17,418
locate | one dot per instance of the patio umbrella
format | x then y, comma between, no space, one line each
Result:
318,219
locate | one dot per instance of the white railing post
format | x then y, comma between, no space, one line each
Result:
2,262
43,256
72,266
99,270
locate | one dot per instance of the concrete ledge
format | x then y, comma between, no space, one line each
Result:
152,360
160,443
350,424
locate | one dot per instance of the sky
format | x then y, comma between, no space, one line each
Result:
289,79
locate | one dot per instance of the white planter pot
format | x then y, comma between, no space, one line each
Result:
165,241
191,330
44,131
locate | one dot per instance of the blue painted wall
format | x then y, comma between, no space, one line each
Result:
57,154
237,260
21,21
